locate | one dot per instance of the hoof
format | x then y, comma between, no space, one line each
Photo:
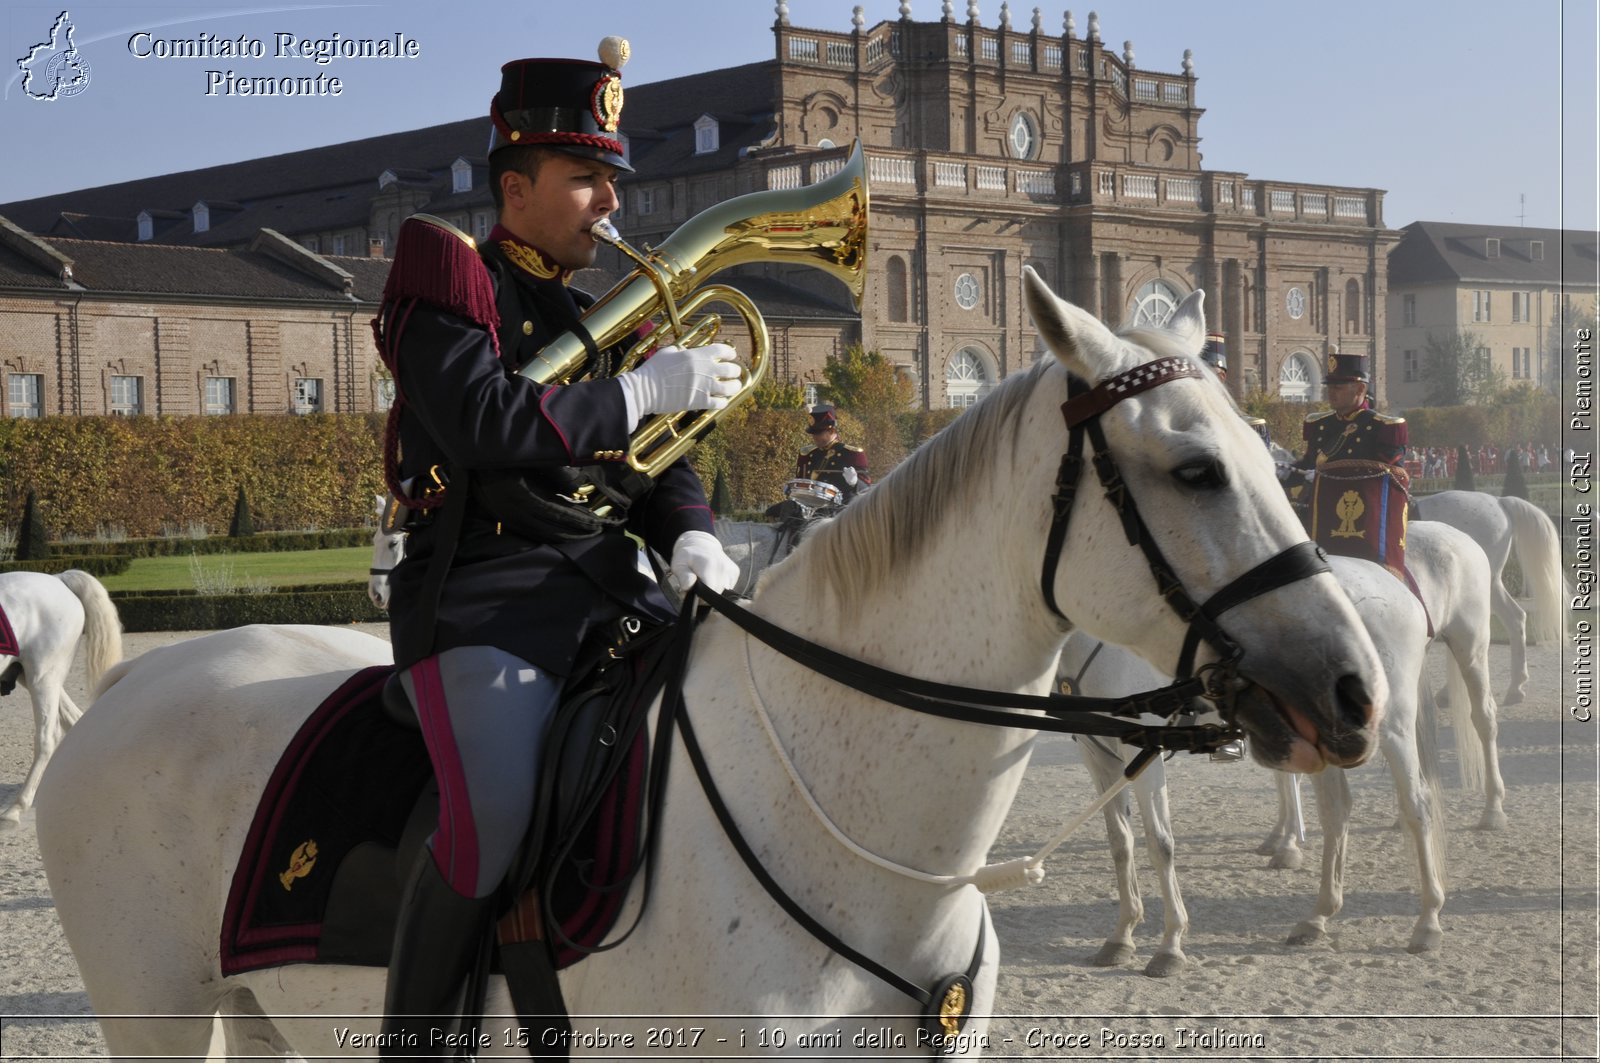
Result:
1495,820
11,817
1425,941
1113,954
1287,860
1307,934
1512,697
1267,848
1166,964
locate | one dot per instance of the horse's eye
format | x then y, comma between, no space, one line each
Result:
1205,474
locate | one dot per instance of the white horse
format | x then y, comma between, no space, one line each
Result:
1497,524
47,615
388,547
1453,575
139,862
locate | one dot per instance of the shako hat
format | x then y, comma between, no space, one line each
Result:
1215,352
570,105
823,418
1345,368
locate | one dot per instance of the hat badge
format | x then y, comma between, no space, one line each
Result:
1333,362
607,100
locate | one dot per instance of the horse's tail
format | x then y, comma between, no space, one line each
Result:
1428,763
102,627
1468,747
1539,553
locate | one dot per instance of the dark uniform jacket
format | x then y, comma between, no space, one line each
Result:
828,464
466,409
1365,434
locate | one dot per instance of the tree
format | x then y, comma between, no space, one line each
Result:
243,523
1515,485
865,383
1464,481
33,540
721,500
774,394
1459,370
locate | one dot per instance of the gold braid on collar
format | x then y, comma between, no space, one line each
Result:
530,261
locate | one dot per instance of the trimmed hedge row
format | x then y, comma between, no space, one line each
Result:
260,543
97,565
194,612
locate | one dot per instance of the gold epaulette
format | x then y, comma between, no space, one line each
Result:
1384,418
808,450
853,450
1319,416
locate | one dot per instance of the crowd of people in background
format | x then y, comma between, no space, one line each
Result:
1440,462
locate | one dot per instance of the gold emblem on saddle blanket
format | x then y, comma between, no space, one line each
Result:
1349,510
301,861
953,1009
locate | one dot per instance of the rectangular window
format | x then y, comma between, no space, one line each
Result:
1521,363
1408,309
341,245
1491,246
219,395
1521,306
482,222
25,395
307,397
313,244
127,396
1409,366
1536,250
647,200
1480,306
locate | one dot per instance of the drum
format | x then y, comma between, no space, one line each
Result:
813,493
1358,509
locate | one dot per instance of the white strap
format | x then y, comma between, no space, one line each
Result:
991,878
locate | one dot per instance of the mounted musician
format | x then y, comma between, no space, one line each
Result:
506,574
830,459
1215,355
1354,488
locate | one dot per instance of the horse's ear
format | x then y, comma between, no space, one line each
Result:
1078,339
1188,322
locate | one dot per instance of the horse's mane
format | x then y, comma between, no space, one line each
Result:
893,521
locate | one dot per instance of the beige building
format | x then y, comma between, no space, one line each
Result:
1505,286
989,148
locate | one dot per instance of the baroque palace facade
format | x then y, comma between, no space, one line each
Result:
988,149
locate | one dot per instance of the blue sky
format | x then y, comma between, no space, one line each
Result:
1468,111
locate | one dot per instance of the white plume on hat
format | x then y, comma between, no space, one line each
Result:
614,52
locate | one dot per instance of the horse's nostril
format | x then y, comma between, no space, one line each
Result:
1354,702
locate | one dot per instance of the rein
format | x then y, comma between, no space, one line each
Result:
947,1005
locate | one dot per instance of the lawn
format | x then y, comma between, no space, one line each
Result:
285,569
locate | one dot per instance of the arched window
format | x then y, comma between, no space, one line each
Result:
1154,304
1297,380
1352,306
967,378
895,276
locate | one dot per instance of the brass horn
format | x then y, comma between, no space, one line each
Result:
822,225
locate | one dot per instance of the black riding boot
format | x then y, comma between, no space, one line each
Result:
436,942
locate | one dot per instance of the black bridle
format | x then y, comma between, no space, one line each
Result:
1057,712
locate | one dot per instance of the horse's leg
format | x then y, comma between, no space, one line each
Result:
45,692
1473,663
1283,844
1104,767
1504,606
68,711
1169,958
1332,787
1419,813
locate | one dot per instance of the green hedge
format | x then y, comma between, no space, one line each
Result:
194,612
260,543
97,565
143,475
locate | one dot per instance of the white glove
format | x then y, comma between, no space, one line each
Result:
698,555
1286,470
675,379
850,476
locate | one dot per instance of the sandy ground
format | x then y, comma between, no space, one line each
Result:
1515,979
